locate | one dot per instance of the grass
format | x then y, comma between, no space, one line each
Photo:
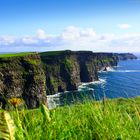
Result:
15,54
33,62
52,53
68,64
117,119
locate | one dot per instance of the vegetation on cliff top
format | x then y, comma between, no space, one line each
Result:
52,53
15,54
117,119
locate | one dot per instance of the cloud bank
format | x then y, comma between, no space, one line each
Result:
73,38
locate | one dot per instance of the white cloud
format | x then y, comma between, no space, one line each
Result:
75,38
29,40
75,33
89,32
7,40
71,33
41,34
124,26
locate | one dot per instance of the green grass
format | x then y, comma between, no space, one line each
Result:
33,62
15,54
52,53
68,64
117,119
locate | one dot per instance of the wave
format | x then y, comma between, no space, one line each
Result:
127,71
54,95
108,69
53,100
94,82
81,88
118,66
84,85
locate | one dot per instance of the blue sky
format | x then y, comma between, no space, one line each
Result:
19,18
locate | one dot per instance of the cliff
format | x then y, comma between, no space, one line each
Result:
22,77
33,76
67,69
125,56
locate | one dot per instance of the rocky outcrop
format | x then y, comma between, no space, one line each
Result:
34,76
22,77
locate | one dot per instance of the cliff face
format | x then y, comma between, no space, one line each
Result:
34,76
22,77
62,72
66,70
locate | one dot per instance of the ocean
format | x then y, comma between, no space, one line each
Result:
122,81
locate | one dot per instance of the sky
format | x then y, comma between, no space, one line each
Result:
44,25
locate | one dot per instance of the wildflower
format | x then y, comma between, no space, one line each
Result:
15,101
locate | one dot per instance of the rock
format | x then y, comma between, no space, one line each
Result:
22,77
105,69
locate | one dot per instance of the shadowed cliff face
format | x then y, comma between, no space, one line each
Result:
88,69
62,72
34,76
66,70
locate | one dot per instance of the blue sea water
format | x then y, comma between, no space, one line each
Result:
121,81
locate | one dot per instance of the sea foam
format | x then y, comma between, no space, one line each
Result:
84,85
127,71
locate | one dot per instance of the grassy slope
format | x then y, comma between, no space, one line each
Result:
49,53
118,119
15,54
52,53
